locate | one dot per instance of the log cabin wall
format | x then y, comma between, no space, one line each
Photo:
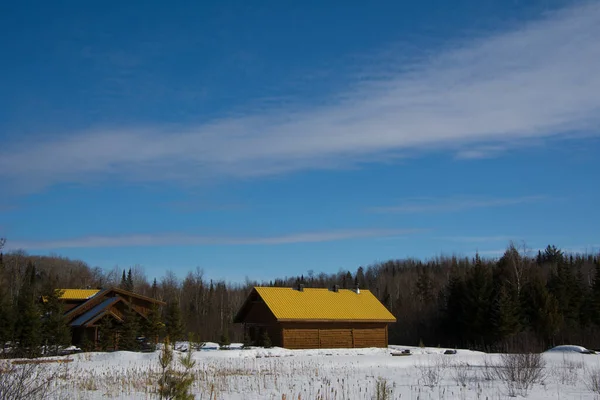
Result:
328,335
315,319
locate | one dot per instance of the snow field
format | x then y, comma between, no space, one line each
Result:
342,374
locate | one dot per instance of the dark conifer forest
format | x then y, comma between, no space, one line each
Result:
519,301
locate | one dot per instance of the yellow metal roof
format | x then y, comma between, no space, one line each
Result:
77,294
324,305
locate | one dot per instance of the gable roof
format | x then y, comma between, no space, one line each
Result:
97,298
97,311
288,304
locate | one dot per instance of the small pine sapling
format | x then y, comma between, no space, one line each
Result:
175,384
266,340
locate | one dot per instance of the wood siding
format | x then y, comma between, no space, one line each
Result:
333,335
257,318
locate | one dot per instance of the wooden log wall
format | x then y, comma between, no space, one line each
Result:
333,335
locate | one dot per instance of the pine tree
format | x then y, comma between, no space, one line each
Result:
505,320
6,322
6,311
175,383
454,318
359,279
566,288
266,340
154,289
553,255
129,281
386,299
247,339
173,324
129,330
424,286
107,334
28,323
540,310
55,331
477,304
225,339
595,296
123,284
154,326
86,344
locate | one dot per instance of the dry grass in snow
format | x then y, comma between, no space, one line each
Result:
351,374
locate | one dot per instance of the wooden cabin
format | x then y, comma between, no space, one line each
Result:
85,309
307,318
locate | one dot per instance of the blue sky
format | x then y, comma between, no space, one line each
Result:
269,139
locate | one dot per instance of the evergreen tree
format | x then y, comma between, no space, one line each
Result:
359,279
6,311
173,323
386,299
265,340
154,289
6,322
129,330
154,326
123,284
86,344
28,323
225,338
107,334
55,331
247,340
505,320
129,281
595,296
564,286
540,310
346,280
553,255
477,305
424,286
454,318
175,383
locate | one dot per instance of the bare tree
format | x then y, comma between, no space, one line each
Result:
517,260
519,372
26,381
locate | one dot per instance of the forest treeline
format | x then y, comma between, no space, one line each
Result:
512,303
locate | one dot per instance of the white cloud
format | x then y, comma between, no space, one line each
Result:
453,205
197,240
535,82
478,152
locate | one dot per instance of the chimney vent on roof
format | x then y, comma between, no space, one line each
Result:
301,287
335,288
356,289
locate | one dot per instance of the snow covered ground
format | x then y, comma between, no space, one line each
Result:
322,374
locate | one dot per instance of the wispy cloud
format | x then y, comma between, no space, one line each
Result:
142,240
453,205
537,81
479,152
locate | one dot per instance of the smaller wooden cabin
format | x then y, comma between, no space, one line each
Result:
85,309
308,318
